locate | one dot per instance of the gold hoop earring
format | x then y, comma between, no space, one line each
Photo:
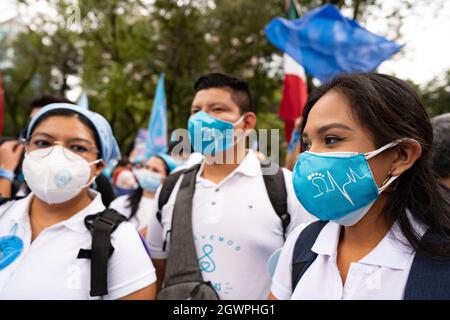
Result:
394,187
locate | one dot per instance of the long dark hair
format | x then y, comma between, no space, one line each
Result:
390,109
135,197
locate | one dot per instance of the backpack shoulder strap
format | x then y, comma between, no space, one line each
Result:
4,200
276,189
303,257
428,279
182,262
166,191
101,225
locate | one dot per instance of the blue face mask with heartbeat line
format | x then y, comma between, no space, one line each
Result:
337,186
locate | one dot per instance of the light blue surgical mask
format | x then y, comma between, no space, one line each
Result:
337,186
149,181
210,135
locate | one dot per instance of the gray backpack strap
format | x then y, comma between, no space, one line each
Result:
429,279
182,264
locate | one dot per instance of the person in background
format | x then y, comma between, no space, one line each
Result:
441,149
138,205
124,180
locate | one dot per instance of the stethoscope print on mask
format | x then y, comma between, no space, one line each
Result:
338,186
209,135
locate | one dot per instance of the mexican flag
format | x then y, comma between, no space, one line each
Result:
295,91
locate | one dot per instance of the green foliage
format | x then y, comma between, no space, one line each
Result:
118,48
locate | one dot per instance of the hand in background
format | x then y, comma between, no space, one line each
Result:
10,154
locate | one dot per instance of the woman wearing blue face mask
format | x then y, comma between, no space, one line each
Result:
365,172
44,237
137,206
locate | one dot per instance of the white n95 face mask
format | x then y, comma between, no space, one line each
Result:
54,178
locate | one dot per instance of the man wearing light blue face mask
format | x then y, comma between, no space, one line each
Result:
235,225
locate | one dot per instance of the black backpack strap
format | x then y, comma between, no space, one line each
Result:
4,200
429,279
276,189
303,257
101,225
166,191
182,262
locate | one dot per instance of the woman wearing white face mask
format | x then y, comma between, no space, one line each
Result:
365,172
138,205
43,235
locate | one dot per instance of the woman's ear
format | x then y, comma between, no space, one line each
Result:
408,151
99,167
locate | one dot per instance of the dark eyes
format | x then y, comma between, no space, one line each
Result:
332,140
328,141
47,144
42,143
78,148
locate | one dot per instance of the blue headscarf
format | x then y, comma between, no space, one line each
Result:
109,149
171,164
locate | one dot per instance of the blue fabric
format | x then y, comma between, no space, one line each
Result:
295,138
209,135
170,162
157,127
83,102
333,186
109,149
148,180
327,44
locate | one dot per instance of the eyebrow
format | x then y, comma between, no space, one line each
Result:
70,139
327,127
333,126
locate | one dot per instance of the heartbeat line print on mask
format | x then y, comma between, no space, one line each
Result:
322,185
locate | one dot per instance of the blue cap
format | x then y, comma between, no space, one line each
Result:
109,149
170,162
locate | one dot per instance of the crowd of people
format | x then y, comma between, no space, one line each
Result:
360,210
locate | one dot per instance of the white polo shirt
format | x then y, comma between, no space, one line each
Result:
381,275
48,268
140,219
235,230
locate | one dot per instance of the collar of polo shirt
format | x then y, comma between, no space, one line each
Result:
388,253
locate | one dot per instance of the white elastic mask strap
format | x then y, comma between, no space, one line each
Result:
89,183
94,177
372,154
239,120
387,184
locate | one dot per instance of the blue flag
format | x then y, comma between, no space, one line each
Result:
327,44
157,127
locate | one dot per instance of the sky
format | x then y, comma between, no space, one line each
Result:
425,33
